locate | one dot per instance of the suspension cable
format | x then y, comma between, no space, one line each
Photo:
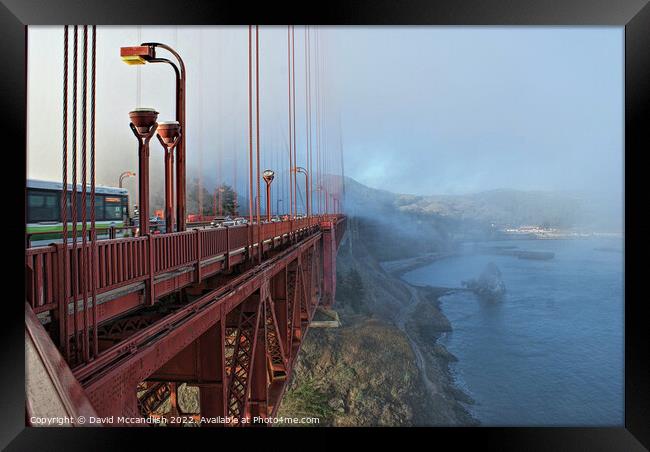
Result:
290,128
74,263
84,249
257,136
93,285
295,152
63,304
250,140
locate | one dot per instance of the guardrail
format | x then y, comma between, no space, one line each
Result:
122,261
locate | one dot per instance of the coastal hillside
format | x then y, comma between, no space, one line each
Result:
475,213
380,368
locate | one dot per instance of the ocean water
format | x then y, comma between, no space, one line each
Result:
552,351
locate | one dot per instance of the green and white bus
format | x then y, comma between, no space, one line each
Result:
43,209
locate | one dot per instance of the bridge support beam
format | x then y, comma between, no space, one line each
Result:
329,262
211,372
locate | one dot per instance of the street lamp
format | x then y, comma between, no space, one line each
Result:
124,175
143,124
321,188
146,53
169,135
268,176
302,170
219,190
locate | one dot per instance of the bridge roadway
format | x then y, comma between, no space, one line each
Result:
223,309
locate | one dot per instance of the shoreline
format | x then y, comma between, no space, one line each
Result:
428,348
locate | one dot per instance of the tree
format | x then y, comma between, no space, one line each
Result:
192,197
227,200
356,291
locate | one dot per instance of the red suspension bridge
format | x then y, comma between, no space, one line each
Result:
114,326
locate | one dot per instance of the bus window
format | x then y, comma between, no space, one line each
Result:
42,206
113,208
99,207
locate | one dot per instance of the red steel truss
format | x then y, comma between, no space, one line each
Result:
215,319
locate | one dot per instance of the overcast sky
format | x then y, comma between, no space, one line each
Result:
423,110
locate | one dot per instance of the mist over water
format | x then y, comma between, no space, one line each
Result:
552,351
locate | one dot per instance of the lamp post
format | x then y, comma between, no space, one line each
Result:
146,53
268,176
124,175
221,190
143,124
169,135
302,170
321,188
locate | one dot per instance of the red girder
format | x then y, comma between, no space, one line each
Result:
263,316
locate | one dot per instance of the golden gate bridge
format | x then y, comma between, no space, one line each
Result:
114,326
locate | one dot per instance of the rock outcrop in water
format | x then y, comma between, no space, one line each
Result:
489,285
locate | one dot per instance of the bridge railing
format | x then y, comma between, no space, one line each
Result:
118,261
41,277
213,241
172,251
123,261
63,272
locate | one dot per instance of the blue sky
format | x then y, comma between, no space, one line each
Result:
456,109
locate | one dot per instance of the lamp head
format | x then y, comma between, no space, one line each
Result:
143,118
137,54
169,131
268,176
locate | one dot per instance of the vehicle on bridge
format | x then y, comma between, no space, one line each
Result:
44,210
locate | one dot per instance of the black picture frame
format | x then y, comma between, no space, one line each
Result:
634,15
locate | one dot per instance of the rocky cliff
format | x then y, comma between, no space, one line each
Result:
382,367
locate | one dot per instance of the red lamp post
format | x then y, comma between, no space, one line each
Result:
124,175
146,53
302,170
143,124
169,135
268,176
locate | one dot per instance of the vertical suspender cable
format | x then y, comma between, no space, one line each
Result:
290,133
309,143
200,134
63,304
306,116
74,266
84,250
293,95
250,141
257,137
318,155
93,245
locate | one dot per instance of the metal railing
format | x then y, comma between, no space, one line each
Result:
120,262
